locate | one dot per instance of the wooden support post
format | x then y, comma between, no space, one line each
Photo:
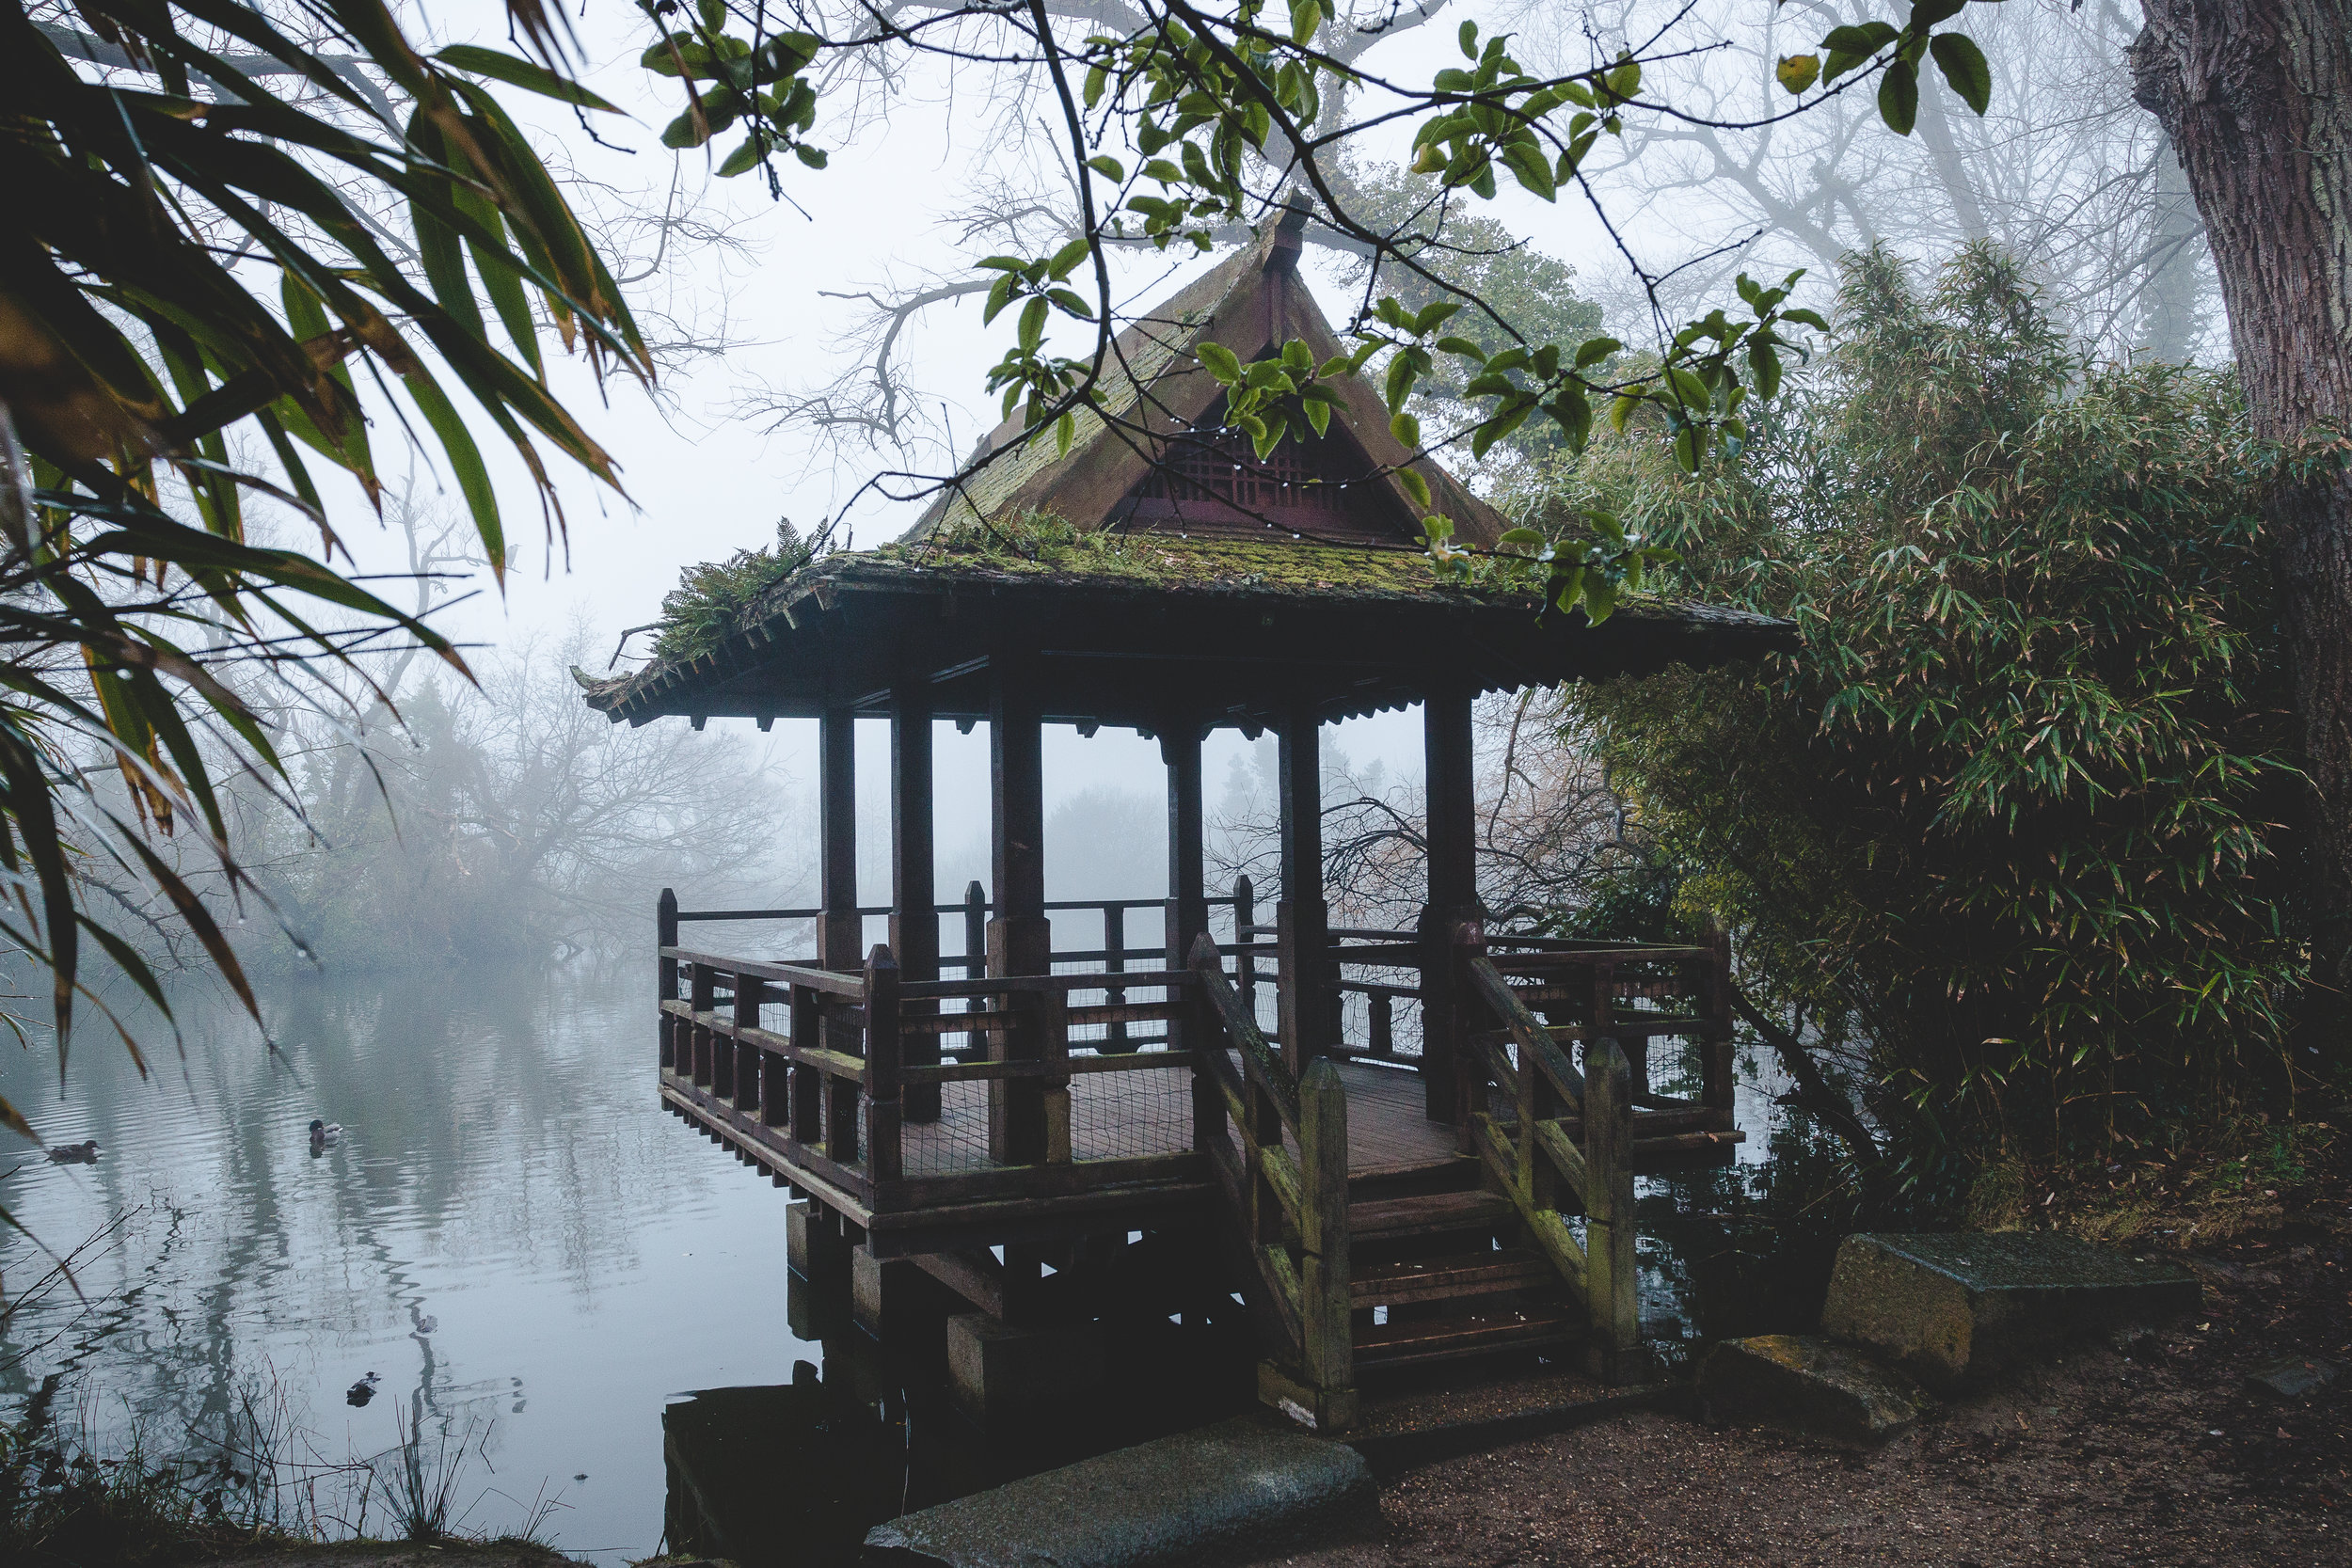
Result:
1020,939
1714,999
808,1083
1302,918
1452,835
838,925
1466,1070
703,985
914,900
885,1160
1381,1008
1245,964
1187,879
1052,1029
749,992
976,955
1613,1353
1324,1275
1114,963
665,973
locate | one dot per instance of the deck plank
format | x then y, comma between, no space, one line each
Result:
1116,1115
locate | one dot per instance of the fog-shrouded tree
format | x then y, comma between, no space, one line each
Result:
2065,169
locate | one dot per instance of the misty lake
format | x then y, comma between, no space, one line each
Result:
533,1260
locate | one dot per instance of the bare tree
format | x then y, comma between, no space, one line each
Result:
2065,169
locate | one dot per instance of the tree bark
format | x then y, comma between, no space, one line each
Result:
2257,98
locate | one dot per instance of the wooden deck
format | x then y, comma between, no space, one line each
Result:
1129,1115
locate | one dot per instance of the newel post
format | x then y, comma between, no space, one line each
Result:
1445,1029
1613,1353
886,1050
1323,1274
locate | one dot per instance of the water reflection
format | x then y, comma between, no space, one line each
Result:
507,1232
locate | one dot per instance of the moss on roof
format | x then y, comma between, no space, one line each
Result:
1041,546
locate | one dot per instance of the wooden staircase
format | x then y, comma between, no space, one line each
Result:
1437,1277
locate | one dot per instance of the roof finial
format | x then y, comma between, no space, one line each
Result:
1282,249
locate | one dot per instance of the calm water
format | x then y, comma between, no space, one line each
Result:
535,1259
507,1232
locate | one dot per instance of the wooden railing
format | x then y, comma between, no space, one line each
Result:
1559,1141
1291,1208
850,1089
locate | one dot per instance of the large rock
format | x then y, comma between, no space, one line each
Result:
1226,1493
1950,1308
1809,1385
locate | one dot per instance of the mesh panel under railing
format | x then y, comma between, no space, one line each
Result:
1118,1116
957,1141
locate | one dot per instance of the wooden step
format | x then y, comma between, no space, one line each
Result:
1451,1278
1429,1215
1419,1340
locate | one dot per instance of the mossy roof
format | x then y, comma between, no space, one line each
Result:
1145,598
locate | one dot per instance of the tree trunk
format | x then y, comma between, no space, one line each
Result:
2257,98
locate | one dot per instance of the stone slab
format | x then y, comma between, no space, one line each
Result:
1225,1494
1951,1308
998,1372
1810,1385
2291,1377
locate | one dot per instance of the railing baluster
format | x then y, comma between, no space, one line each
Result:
885,1047
703,980
1114,963
1382,1007
749,990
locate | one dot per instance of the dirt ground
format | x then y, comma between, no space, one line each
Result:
2164,1455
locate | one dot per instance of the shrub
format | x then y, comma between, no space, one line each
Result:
2007,825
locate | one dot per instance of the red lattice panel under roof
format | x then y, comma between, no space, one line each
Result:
1213,479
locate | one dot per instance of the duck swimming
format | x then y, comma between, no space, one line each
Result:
325,1131
83,1153
361,1391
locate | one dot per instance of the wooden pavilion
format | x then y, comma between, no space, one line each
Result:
979,1136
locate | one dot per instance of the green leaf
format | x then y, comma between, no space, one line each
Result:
1220,362
1032,330
746,157
1069,303
465,461
1098,79
522,74
1108,168
1532,168
1468,38
1963,66
1406,428
1067,257
1414,484
1898,97
1462,348
1318,412
812,156
1065,430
